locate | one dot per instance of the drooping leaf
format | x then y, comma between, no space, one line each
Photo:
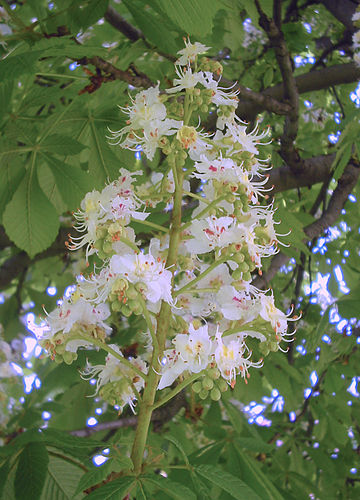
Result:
30,220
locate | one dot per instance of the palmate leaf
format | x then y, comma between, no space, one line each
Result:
31,472
30,220
61,480
227,482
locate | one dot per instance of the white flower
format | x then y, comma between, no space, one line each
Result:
191,51
82,313
154,131
231,359
187,79
356,40
116,202
147,270
237,305
210,234
356,16
192,352
115,371
241,140
221,96
269,312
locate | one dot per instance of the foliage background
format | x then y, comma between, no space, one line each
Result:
65,67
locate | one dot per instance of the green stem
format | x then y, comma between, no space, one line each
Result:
177,389
197,197
110,350
55,75
129,243
151,224
149,324
202,290
204,212
163,320
199,277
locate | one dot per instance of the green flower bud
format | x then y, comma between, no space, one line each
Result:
222,385
215,394
207,383
197,386
214,373
203,394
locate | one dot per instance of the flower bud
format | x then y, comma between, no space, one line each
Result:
215,394
207,383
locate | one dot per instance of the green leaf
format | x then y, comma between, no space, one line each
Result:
252,474
72,444
72,182
61,145
115,490
31,472
176,443
30,220
61,480
94,476
193,17
171,488
4,472
12,171
14,66
6,89
227,482
348,305
341,160
152,25
103,163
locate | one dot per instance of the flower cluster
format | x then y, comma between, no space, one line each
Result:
356,36
189,282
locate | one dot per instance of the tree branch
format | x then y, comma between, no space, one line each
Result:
118,22
307,82
159,417
272,27
138,80
345,185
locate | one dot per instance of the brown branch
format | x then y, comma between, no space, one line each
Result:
315,170
118,22
308,82
159,417
342,10
345,185
272,27
138,80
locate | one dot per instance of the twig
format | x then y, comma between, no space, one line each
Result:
118,22
290,92
160,417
